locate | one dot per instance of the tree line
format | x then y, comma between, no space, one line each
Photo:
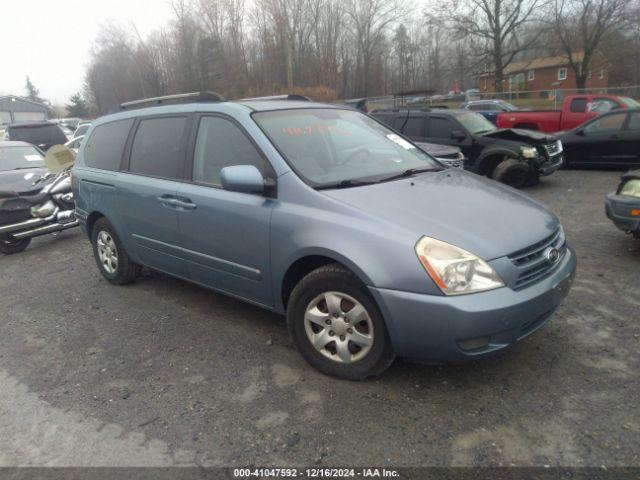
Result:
332,49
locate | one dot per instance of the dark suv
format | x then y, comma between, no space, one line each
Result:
515,157
44,135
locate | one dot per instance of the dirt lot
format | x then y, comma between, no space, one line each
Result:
163,372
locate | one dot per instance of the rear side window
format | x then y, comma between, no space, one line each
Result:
156,147
49,134
578,105
413,127
440,127
222,144
106,144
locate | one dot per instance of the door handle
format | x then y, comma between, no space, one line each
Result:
185,204
168,200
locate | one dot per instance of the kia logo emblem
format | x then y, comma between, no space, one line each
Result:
552,254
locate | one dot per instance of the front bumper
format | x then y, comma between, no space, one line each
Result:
443,329
554,163
624,211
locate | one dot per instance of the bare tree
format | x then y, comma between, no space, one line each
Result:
370,20
496,28
582,26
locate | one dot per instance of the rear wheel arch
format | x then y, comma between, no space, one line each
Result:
91,221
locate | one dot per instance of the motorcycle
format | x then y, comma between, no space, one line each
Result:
26,216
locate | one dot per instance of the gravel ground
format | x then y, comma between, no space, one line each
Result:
166,373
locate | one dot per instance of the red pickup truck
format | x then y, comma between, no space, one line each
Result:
576,109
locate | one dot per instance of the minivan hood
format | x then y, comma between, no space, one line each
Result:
20,181
517,134
484,217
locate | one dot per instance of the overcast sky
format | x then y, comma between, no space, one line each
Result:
49,40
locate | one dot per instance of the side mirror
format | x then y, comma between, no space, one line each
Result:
458,135
242,178
580,132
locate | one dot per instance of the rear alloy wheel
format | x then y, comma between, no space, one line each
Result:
111,257
337,326
10,245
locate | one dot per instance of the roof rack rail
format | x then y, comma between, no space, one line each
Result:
195,97
290,96
401,109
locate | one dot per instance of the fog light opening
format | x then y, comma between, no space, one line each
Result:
474,343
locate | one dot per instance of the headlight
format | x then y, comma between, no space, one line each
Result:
631,188
455,270
529,152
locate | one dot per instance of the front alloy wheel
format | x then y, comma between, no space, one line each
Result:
339,327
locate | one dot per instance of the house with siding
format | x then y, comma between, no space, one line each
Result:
545,74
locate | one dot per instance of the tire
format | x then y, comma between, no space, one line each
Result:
364,345
512,172
534,179
10,245
112,259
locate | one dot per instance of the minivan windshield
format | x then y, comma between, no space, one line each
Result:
341,148
475,123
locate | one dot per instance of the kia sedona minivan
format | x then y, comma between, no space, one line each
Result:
372,248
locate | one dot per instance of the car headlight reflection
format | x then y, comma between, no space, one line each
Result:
529,152
454,270
631,188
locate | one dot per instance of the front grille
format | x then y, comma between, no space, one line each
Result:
553,148
532,263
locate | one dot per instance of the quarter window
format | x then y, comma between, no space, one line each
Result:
222,144
105,145
156,147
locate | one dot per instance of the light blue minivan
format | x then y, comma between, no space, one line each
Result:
370,247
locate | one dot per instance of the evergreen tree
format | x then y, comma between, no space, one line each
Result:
77,106
33,93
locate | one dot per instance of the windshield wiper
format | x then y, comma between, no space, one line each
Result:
409,173
345,184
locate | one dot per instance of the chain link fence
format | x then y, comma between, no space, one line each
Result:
534,99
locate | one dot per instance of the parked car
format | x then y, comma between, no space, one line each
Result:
450,156
576,109
489,109
35,195
21,164
82,129
472,94
623,205
42,134
610,140
68,132
319,212
515,157
74,143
